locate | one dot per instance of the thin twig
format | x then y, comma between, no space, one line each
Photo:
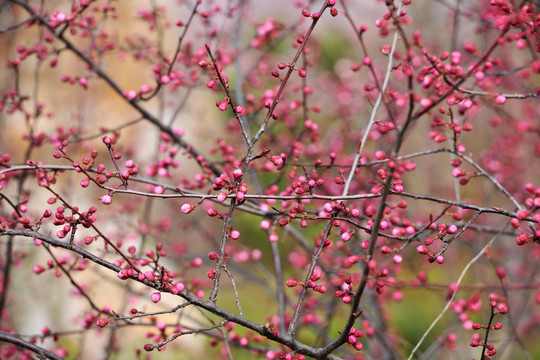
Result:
41,352
449,302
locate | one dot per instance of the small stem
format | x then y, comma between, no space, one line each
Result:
488,328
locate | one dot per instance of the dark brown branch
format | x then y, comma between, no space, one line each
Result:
41,352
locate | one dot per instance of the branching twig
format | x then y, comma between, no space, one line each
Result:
449,302
41,352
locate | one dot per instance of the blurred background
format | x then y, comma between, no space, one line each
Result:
58,98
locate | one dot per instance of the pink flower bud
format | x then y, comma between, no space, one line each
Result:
273,237
106,199
500,99
237,174
458,172
221,197
523,214
222,105
156,297
196,262
422,249
102,322
131,95
179,286
425,103
149,275
291,283
328,207
38,269
265,224
145,89
380,155
187,208
165,79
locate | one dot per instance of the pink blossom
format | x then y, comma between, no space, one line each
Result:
187,208
273,237
500,99
155,297
106,199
